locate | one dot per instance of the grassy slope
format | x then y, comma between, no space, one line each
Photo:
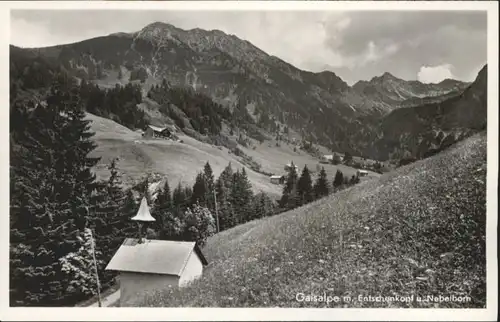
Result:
181,161
274,158
178,161
424,220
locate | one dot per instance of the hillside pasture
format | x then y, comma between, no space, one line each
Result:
417,231
273,159
180,162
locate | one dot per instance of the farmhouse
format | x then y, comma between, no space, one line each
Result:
289,166
277,179
327,158
362,173
154,265
152,131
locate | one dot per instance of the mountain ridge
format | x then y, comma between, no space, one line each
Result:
320,106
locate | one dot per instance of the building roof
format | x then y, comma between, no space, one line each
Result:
276,177
362,171
154,256
157,129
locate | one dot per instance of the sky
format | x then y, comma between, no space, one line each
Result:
357,45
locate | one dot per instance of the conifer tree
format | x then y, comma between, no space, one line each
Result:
112,208
289,197
338,181
224,186
210,186
163,200
241,196
262,206
226,177
169,226
107,219
179,198
188,192
304,187
130,206
80,268
50,194
199,190
247,195
321,188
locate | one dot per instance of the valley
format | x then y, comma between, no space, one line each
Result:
180,162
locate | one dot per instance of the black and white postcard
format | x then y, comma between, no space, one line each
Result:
249,160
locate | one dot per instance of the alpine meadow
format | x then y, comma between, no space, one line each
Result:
195,159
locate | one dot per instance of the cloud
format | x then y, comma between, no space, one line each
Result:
435,74
401,42
31,33
354,44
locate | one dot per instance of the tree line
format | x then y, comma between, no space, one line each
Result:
205,116
300,190
118,103
210,205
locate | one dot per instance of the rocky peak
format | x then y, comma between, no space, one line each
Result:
201,40
332,81
385,77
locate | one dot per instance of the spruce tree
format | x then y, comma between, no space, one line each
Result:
338,181
246,197
224,186
114,219
80,267
50,194
289,197
199,190
179,198
262,206
304,187
169,225
321,188
241,196
210,186
188,192
107,220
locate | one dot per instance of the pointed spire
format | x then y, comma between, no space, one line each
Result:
143,214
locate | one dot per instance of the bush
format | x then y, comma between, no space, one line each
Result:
406,160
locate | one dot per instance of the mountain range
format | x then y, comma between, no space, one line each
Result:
382,118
